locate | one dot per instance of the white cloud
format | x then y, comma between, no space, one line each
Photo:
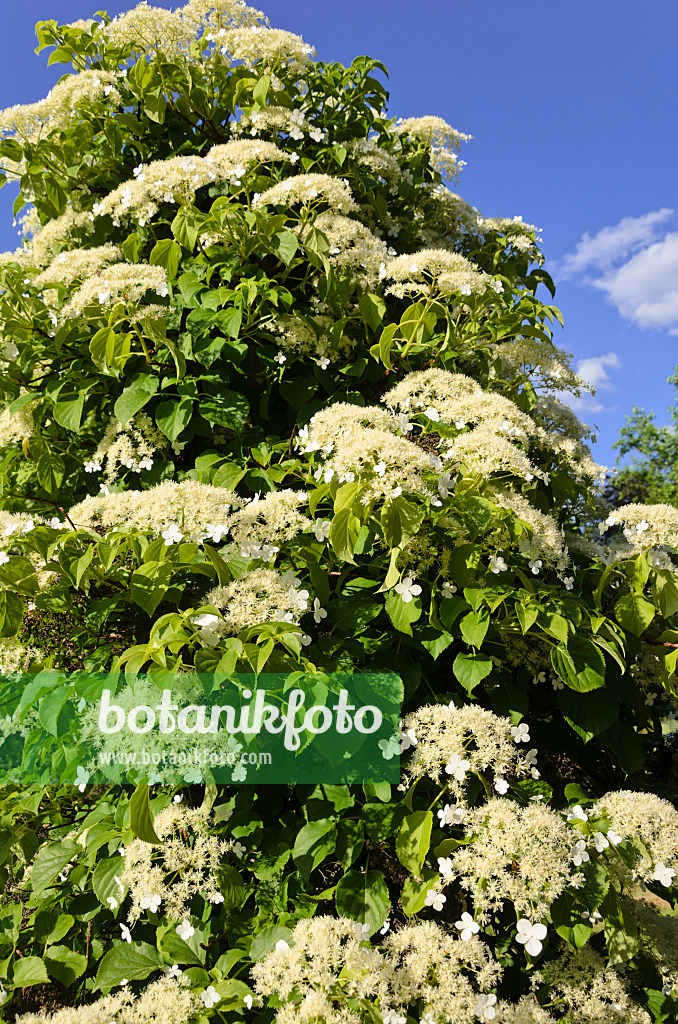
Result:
637,264
612,244
595,370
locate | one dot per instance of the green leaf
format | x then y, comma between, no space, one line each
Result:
315,841
665,592
474,627
471,669
364,898
580,664
173,416
621,930
230,321
589,713
344,530
185,227
413,896
64,964
68,409
634,613
382,350
166,253
51,707
103,880
11,613
265,940
29,971
413,841
403,613
50,861
477,514
135,397
109,350
178,951
285,245
50,469
227,409
527,615
134,961
231,886
400,520
149,584
566,916
155,107
141,819
372,308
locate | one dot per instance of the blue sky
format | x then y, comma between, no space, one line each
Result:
573,111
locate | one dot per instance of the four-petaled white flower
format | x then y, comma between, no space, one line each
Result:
446,867
642,526
408,738
281,946
467,926
280,358
112,902
4,558
569,582
650,699
448,590
81,778
362,931
578,854
216,531
239,850
558,683
458,767
445,485
501,786
174,971
318,613
172,535
380,467
497,564
216,899
210,997
531,936
613,837
389,748
408,589
404,423
485,1007
535,566
450,814
577,812
600,842
125,933
185,930
539,678
206,624
323,362
435,899
663,874
521,733
321,529
150,901
432,413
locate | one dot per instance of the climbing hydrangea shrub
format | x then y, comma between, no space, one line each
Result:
275,398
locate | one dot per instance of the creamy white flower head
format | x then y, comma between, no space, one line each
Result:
309,189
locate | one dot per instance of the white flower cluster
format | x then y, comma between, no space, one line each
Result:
445,142
436,272
260,596
309,190
178,179
120,282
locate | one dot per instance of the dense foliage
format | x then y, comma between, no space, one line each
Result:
277,399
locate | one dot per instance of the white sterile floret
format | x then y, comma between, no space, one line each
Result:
467,926
531,935
435,899
407,589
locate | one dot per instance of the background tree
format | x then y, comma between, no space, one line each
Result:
650,474
276,398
